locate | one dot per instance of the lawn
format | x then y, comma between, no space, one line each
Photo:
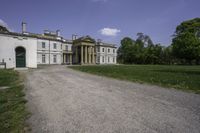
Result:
185,78
12,103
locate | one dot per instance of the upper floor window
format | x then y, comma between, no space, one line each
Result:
98,49
43,44
102,49
108,50
113,50
54,46
66,47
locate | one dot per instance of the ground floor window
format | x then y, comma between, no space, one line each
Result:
108,59
98,59
102,58
43,58
54,58
113,59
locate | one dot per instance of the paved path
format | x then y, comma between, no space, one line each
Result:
66,101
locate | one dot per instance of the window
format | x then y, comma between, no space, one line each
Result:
98,49
54,46
113,59
113,50
103,59
43,58
108,50
66,47
108,59
43,44
98,59
54,58
102,49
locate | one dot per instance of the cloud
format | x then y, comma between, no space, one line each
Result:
109,31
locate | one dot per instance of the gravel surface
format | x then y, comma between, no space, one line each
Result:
66,101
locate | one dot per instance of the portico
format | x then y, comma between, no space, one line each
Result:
84,51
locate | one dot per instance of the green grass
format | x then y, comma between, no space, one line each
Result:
12,103
180,77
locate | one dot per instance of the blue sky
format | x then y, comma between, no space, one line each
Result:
109,20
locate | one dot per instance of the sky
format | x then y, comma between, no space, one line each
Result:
108,20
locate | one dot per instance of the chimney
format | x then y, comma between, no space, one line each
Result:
74,37
58,33
23,27
99,40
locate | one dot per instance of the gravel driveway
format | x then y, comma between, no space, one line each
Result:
66,101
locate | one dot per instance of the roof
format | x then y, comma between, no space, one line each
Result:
38,36
85,39
105,44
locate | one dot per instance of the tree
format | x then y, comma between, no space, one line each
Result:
125,51
186,41
145,39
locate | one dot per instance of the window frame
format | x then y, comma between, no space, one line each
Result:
54,58
43,58
43,45
103,59
54,46
66,48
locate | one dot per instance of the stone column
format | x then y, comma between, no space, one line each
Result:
89,54
81,54
93,58
64,60
86,54
76,54
70,56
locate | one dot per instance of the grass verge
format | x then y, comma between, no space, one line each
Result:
185,78
12,102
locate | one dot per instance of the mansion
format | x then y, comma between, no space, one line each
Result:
29,49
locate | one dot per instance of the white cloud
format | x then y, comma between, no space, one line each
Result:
109,31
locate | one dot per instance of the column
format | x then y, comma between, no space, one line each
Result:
76,54
64,58
93,59
81,54
70,56
89,54
86,54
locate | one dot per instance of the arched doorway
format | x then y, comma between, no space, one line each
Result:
20,53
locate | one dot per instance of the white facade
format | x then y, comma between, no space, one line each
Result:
106,54
29,49
49,52
8,44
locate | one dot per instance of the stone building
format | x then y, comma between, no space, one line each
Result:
29,49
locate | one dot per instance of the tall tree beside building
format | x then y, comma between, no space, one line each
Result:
186,41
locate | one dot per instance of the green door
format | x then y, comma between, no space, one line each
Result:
20,57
